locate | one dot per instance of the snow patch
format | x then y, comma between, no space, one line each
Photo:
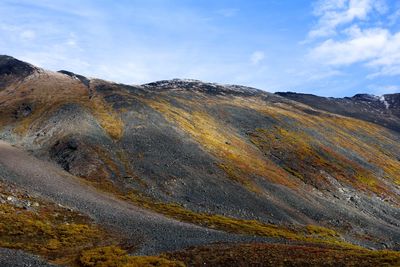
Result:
383,100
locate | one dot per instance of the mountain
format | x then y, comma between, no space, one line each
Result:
382,110
184,172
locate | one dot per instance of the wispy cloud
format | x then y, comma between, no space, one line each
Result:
256,57
335,13
358,46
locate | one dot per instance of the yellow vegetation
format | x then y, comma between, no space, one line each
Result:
48,92
50,231
311,233
225,143
107,117
113,256
338,132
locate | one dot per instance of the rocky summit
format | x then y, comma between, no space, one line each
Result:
189,173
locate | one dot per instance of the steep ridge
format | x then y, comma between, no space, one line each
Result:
192,150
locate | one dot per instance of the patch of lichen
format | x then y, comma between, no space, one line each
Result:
56,233
113,256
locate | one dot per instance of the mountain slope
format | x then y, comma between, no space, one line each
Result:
383,110
159,232
191,150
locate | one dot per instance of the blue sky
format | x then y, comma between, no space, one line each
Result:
325,47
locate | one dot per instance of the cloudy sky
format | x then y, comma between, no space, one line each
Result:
324,47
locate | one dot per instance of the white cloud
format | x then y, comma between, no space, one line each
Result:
335,13
359,46
72,41
27,35
257,57
373,45
377,48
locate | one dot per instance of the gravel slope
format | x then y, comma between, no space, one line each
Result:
156,233
17,258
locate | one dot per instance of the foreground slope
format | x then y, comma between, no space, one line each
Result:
151,231
190,150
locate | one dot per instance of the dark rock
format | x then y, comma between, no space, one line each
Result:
204,87
64,153
23,110
12,66
12,69
83,79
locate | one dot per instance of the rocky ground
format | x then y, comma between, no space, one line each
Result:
151,232
16,258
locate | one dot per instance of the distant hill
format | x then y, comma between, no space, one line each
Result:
383,110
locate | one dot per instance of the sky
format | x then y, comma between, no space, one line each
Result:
325,47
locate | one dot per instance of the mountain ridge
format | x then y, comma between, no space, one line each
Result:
10,65
383,110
